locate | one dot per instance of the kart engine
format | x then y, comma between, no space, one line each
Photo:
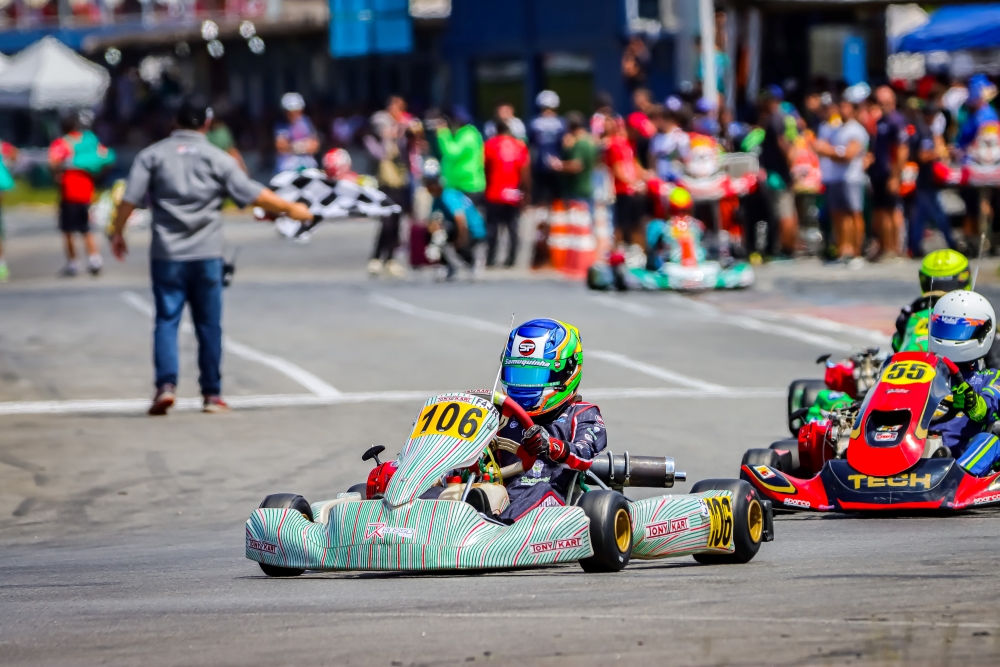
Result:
621,470
826,439
855,375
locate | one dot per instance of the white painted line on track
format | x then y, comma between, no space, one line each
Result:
140,405
710,313
483,325
317,386
823,324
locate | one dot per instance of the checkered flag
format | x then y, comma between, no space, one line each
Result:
329,199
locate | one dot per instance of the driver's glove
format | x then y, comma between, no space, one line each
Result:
538,442
965,399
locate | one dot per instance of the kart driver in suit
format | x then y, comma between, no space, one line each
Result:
962,328
541,372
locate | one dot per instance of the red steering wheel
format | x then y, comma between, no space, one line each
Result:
510,409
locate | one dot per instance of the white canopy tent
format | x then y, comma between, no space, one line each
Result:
50,75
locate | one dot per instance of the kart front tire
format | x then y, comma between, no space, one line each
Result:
610,531
762,457
748,520
791,463
285,501
802,394
361,488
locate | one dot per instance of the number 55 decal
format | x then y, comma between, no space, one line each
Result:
908,372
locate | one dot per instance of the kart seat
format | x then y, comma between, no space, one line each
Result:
323,516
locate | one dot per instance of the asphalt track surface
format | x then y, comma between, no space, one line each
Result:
122,536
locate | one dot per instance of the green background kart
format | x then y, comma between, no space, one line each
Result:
722,521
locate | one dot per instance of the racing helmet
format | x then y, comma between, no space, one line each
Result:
680,201
944,271
962,326
542,365
337,163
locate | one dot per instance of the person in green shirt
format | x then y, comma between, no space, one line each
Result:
219,136
462,158
577,165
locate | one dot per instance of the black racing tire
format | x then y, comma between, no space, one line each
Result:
802,394
748,521
791,462
361,488
761,457
285,501
610,531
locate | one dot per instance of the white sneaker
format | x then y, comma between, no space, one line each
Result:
70,270
374,266
856,263
94,264
395,268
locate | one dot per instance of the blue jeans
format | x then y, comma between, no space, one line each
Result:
928,206
198,283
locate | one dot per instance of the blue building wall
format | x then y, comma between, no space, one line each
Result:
528,29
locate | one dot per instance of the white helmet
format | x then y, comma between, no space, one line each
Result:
547,99
292,102
962,326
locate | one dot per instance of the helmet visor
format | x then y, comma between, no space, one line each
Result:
945,283
528,373
958,328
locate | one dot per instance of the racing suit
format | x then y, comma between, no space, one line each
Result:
546,484
972,444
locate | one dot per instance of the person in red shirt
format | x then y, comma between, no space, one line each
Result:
629,179
508,177
76,190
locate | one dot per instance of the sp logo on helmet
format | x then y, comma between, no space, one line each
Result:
526,347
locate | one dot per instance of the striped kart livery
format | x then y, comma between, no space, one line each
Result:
402,532
679,525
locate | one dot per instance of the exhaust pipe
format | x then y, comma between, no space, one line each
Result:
621,470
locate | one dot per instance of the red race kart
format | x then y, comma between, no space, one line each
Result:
883,455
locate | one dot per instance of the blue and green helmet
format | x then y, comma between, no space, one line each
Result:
542,365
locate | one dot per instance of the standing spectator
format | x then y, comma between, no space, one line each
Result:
812,115
629,182
604,108
75,159
669,144
546,132
508,177
975,113
775,151
577,165
389,146
461,147
295,140
926,149
505,112
889,150
844,148
7,152
185,179
221,137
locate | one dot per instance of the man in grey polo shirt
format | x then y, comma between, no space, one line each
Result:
185,180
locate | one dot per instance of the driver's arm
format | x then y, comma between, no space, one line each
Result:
979,396
588,438
901,321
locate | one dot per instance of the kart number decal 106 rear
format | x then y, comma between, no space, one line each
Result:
458,420
908,372
720,514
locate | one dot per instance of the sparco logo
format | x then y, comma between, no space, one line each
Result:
555,545
987,499
526,347
797,503
667,527
266,547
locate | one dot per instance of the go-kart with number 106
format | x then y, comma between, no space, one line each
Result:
385,525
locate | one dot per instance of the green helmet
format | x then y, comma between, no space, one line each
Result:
944,271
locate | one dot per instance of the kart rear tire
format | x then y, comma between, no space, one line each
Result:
748,521
285,501
361,488
610,531
762,457
802,394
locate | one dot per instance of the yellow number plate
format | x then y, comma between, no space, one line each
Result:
908,372
720,515
451,418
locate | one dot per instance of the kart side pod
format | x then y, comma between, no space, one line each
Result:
621,470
